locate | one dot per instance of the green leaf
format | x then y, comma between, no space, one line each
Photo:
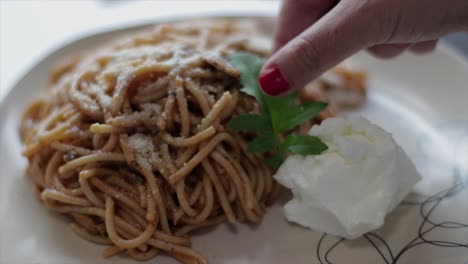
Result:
285,115
249,66
278,108
278,115
300,114
250,123
304,145
264,142
276,160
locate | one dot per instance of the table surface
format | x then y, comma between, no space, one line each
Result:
30,30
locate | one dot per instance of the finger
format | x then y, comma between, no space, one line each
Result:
296,16
423,47
326,43
386,51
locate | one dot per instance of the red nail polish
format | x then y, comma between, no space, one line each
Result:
272,81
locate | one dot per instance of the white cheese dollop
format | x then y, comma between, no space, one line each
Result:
348,189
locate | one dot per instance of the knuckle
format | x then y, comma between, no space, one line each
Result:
381,18
306,53
388,21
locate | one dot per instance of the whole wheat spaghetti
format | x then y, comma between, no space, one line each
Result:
131,141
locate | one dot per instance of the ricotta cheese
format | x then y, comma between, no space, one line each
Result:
348,189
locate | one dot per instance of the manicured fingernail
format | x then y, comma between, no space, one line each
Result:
272,81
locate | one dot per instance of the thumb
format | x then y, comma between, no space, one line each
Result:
347,28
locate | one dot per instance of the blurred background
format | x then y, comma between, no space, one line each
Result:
31,29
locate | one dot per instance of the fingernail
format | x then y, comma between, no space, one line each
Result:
272,81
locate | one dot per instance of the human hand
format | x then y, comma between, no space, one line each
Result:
314,35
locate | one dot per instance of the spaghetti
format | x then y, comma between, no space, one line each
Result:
131,141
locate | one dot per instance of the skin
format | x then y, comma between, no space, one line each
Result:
314,35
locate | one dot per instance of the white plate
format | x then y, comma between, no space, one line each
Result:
423,101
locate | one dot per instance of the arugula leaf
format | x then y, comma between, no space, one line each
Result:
304,144
250,123
278,115
264,142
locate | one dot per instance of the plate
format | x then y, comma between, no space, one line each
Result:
421,100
